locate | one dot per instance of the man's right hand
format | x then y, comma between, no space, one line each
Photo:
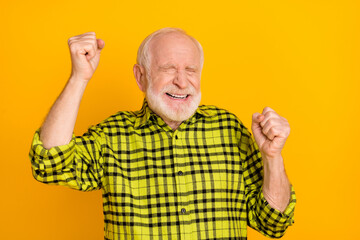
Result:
85,55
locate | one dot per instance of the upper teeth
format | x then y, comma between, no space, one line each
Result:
177,96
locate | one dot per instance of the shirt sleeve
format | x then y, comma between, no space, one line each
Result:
261,216
78,164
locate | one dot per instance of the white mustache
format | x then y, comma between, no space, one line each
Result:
175,90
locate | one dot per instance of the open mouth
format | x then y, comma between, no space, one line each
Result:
175,96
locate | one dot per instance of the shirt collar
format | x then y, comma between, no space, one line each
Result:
146,113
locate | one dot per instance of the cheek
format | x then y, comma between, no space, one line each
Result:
159,83
195,82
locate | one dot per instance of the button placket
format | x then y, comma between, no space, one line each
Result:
180,176
179,161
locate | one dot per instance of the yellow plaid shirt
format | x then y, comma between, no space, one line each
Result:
202,181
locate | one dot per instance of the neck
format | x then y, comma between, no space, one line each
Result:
172,124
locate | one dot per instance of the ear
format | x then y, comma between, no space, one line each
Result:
139,73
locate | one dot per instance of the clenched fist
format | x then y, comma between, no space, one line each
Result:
85,55
270,132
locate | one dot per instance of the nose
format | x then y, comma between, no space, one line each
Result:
181,80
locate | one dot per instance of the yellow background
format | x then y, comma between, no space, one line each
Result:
301,58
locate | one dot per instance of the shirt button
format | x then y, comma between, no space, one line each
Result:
180,173
183,210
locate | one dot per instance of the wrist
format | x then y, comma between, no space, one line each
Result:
77,83
273,164
77,80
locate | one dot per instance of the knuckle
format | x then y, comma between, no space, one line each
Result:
273,114
285,121
266,109
71,39
274,130
72,47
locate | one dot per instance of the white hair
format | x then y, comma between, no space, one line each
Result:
143,57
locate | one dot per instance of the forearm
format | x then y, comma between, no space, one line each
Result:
276,185
58,126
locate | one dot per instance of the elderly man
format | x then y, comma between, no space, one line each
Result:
174,169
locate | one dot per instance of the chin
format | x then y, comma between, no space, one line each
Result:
173,110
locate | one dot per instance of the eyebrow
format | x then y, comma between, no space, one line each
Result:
168,65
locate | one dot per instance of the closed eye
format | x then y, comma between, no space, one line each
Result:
190,69
167,68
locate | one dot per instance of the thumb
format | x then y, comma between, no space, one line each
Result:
257,118
100,43
256,127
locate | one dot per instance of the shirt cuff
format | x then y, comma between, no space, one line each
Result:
53,159
273,216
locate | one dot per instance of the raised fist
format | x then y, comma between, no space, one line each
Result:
85,55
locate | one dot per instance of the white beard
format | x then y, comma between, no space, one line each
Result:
181,112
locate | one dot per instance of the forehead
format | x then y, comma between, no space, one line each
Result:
172,48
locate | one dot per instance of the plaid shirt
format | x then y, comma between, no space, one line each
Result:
202,181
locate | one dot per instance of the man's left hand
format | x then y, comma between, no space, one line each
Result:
270,132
